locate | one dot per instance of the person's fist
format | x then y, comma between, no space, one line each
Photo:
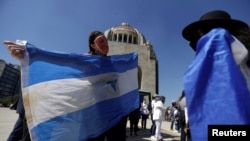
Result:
15,50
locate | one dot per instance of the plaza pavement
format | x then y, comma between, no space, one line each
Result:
8,118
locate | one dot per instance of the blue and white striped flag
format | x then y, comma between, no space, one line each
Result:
70,97
216,90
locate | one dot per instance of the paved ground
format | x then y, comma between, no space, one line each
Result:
8,118
144,135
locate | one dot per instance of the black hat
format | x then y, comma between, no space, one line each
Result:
212,19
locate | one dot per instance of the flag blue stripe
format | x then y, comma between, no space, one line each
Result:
74,65
215,88
80,125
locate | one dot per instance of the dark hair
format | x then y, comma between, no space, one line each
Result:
173,103
92,37
162,99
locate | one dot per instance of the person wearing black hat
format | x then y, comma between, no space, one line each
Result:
218,77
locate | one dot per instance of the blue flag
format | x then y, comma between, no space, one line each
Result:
216,90
70,97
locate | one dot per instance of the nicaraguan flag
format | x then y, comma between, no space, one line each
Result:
216,90
70,97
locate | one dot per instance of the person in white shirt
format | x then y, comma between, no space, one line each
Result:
152,129
158,117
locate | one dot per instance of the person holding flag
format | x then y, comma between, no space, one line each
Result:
217,80
77,97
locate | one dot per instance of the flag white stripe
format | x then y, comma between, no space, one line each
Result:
53,97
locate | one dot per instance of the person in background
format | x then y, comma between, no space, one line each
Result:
172,115
177,117
167,115
183,119
20,130
154,99
144,114
158,117
134,117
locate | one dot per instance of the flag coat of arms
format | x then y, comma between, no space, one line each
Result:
76,97
216,89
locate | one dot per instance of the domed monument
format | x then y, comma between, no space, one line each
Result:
124,39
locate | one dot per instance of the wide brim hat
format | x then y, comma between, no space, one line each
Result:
212,19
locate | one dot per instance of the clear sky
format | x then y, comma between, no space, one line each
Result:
64,25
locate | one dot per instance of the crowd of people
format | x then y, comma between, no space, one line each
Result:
214,23
175,114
